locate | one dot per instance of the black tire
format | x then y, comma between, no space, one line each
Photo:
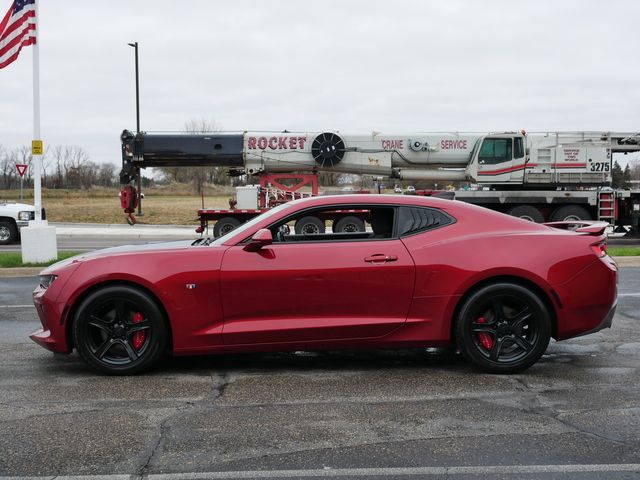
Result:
348,224
225,225
568,213
106,325
527,212
309,225
8,232
510,341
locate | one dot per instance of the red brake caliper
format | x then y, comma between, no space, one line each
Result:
138,337
485,339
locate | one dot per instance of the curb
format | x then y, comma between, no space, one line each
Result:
135,234
33,271
627,261
20,271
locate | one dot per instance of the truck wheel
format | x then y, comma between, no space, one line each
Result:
8,232
527,212
569,213
225,225
348,224
309,225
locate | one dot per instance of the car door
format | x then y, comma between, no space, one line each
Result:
315,291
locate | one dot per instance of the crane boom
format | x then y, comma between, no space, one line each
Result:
538,176
542,158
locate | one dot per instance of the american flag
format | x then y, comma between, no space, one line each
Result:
17,30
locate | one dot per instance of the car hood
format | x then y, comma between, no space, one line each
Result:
145,247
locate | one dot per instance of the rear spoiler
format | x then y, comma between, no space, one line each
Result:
590,227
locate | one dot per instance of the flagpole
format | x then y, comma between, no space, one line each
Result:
37,157
39,243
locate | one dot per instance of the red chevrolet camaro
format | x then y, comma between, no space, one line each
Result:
400,272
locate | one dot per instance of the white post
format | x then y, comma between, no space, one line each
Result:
39,242
37,159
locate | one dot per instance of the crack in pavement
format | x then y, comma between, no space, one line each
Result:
531,402
219,384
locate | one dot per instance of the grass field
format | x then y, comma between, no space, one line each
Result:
623,251
160,206
14,259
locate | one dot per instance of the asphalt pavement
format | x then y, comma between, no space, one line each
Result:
380,414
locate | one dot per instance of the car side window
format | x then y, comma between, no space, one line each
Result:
338,223
419,219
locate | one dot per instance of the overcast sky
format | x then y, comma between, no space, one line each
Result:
354,66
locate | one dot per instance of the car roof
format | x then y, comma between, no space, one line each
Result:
363,199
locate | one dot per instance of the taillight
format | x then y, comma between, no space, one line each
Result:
600,248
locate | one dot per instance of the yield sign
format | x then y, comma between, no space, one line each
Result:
22,169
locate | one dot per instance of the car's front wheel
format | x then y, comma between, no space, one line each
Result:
120,330
503,328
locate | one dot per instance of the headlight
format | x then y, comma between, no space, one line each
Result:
25,216
47,280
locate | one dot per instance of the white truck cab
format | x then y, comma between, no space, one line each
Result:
14,216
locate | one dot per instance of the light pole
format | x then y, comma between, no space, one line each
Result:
139,186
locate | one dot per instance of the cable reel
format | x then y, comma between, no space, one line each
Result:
328,149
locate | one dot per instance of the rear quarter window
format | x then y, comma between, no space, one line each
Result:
412,220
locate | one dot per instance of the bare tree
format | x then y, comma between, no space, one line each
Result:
106,175
198,175
7,168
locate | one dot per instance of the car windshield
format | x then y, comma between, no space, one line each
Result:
249,225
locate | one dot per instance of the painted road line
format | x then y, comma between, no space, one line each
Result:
364,472
17,306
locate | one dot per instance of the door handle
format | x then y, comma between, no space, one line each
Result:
381,258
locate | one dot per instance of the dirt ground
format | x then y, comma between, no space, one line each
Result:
104,207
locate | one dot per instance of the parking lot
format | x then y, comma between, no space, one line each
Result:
333,414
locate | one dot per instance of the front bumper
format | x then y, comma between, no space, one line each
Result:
52,335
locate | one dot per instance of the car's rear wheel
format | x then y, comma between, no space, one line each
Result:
503,328
120,330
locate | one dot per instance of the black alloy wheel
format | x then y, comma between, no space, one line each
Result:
503,328
120,330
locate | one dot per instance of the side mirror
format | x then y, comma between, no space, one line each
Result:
260,239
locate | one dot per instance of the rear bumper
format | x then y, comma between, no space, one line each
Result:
588,300
606,323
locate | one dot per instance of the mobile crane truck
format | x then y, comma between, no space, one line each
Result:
553,176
